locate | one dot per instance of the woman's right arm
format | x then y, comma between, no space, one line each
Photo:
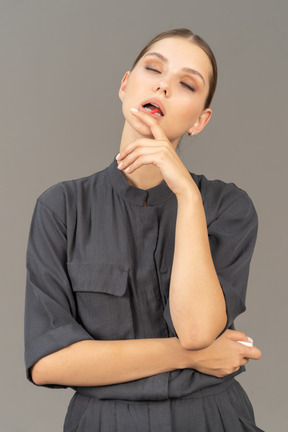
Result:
93,363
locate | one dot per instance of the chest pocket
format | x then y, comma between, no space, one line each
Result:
103,300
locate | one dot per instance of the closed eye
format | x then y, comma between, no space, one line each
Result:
188,86
152,69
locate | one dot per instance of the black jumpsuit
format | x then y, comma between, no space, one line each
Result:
99,261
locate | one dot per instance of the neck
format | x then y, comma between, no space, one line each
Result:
145,177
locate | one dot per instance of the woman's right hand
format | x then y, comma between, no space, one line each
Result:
224,356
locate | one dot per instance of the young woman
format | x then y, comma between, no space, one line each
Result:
136,273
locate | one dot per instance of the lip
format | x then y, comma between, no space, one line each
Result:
156,102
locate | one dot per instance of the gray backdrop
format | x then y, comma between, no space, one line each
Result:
61,66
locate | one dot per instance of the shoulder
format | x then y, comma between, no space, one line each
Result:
63,196
220,198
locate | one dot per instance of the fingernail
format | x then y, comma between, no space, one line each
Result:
134,110
250,339
249,344
117,157
119,166
126,169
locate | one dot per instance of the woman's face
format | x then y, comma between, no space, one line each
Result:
173,75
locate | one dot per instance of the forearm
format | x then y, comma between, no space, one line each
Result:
93,363
196,299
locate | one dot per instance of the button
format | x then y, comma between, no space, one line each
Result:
145,203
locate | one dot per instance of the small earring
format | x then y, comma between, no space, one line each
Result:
191,133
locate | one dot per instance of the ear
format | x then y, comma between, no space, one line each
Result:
123,85
199,125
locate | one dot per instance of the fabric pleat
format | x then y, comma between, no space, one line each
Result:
227,411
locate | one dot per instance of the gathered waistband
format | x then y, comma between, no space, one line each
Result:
132,397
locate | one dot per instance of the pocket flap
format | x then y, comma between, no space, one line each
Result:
95,277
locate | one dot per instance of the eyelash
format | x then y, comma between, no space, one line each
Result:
188,86
151,69
184,84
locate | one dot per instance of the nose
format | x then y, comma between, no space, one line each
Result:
162,87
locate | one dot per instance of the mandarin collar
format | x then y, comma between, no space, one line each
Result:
154,196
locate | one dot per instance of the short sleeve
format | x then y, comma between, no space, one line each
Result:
232,237
50,308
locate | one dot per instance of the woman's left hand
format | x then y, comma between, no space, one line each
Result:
159,152
225,355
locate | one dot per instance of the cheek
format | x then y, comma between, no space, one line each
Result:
189,112
136,81
186,116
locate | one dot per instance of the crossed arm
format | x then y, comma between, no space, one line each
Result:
92,363
197,302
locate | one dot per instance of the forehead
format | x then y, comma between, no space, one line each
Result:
183,53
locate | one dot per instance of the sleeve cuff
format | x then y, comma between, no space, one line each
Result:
53,341
234,304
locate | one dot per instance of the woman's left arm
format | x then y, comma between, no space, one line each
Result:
225,255
201,308
197,303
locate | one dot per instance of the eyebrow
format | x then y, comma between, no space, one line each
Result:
185,69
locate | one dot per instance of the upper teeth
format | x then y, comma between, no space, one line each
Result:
150,109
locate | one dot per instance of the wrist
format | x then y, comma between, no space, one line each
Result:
190,194
182,358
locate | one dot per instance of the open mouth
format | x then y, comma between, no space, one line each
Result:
153,109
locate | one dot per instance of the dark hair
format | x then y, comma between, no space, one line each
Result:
196,40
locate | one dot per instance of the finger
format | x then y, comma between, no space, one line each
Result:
131,156
153,124
253,353
249,343
143,159
244,361
237,335
139,143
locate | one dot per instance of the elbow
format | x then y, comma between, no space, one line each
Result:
39,372
194,344
194,341
35,375
201,335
